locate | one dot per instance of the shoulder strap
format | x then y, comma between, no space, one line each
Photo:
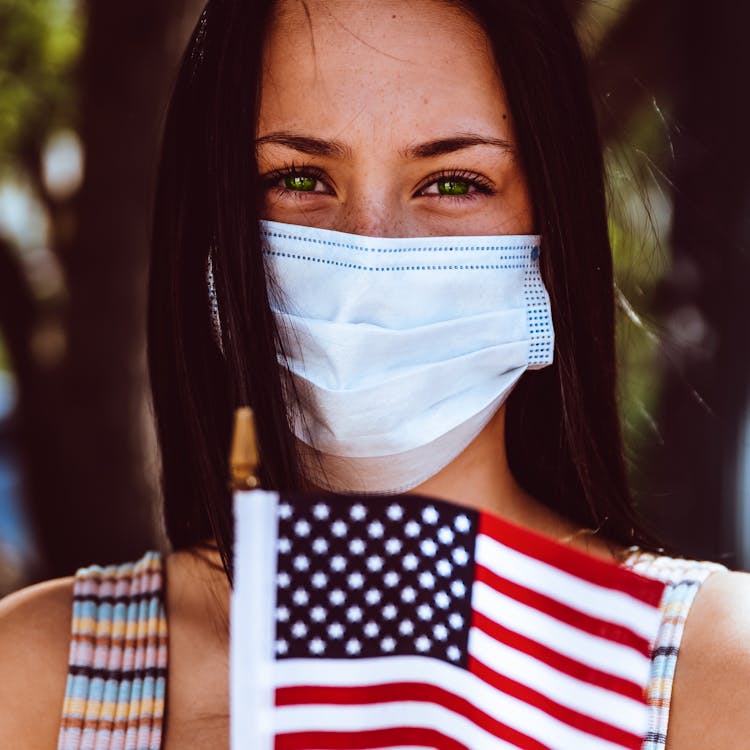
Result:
114,696
683,578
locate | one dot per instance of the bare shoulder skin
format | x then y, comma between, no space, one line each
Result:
34,648
711,693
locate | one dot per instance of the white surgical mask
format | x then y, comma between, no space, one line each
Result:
401,349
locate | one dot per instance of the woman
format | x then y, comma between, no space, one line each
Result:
388,119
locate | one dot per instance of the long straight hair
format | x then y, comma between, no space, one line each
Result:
563,432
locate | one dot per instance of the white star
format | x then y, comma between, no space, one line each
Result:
428,547
393,546
462,524
408,595
391,579
444,568
375,529
283,580
412,529
282,647
374,563
284,546
440,632
424,612
339,528
321,511
319,579
335,630
300,597
406,627
410,561
317,646
395,512
302,527
285,511
337,597
430,515
458,589
373,597
455,620
445,535
353,647
371,629
356,546
426,580
358,512
423,643
320,546
318,613
282,614
301,563
454,654
354,614
388,644
442,600
460,556
390,611
338,563
299,630
355,580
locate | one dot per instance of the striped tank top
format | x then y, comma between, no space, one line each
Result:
116,685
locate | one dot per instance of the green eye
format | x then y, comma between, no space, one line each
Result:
299,182
452,187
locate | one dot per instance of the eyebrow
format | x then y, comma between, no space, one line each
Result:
429,149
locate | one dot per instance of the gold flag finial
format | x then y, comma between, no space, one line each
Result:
243,457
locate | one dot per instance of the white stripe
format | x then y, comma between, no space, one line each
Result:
595,600
515,713
590,700
584,647
252,620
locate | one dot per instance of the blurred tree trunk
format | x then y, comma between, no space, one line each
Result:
92,460
705,301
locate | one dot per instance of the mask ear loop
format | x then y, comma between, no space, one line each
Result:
213,303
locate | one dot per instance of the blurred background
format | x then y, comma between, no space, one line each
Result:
83,91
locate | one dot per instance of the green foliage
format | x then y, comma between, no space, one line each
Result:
40,44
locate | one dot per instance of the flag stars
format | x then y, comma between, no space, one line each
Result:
335,631
318,613
425,612
423,644
301,563
336,597
406,627
283,580
354,614
338,563
462,524
428,547
339,528
371,629
317,646
300,597
389,612
410,561
353,647
440,632
458,589
302,528
388,644
373,597
321,511
412,529
284,545
430,515
391,579
443,568
453,652
319,579
374,563
460,556
355,580
445,535
394,512
357,546
281,647
282,614
358,512
320,546
393,546
299,629
285,511
408,595
455,620
426,580
442,600
375,530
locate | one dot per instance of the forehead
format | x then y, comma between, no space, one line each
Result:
348,67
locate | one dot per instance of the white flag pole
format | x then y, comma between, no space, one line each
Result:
253,601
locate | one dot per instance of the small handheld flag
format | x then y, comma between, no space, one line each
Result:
404,621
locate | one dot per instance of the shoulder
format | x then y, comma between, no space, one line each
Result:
711,690
35,626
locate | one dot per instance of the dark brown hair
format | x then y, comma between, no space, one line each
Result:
563,431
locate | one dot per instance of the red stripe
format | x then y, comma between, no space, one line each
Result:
571,560
403,691
372,738
594,625
557,660
564,714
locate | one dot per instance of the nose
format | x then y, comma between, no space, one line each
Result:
373,215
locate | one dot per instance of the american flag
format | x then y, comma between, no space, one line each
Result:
409,622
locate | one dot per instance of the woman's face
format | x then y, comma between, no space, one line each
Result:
389,119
